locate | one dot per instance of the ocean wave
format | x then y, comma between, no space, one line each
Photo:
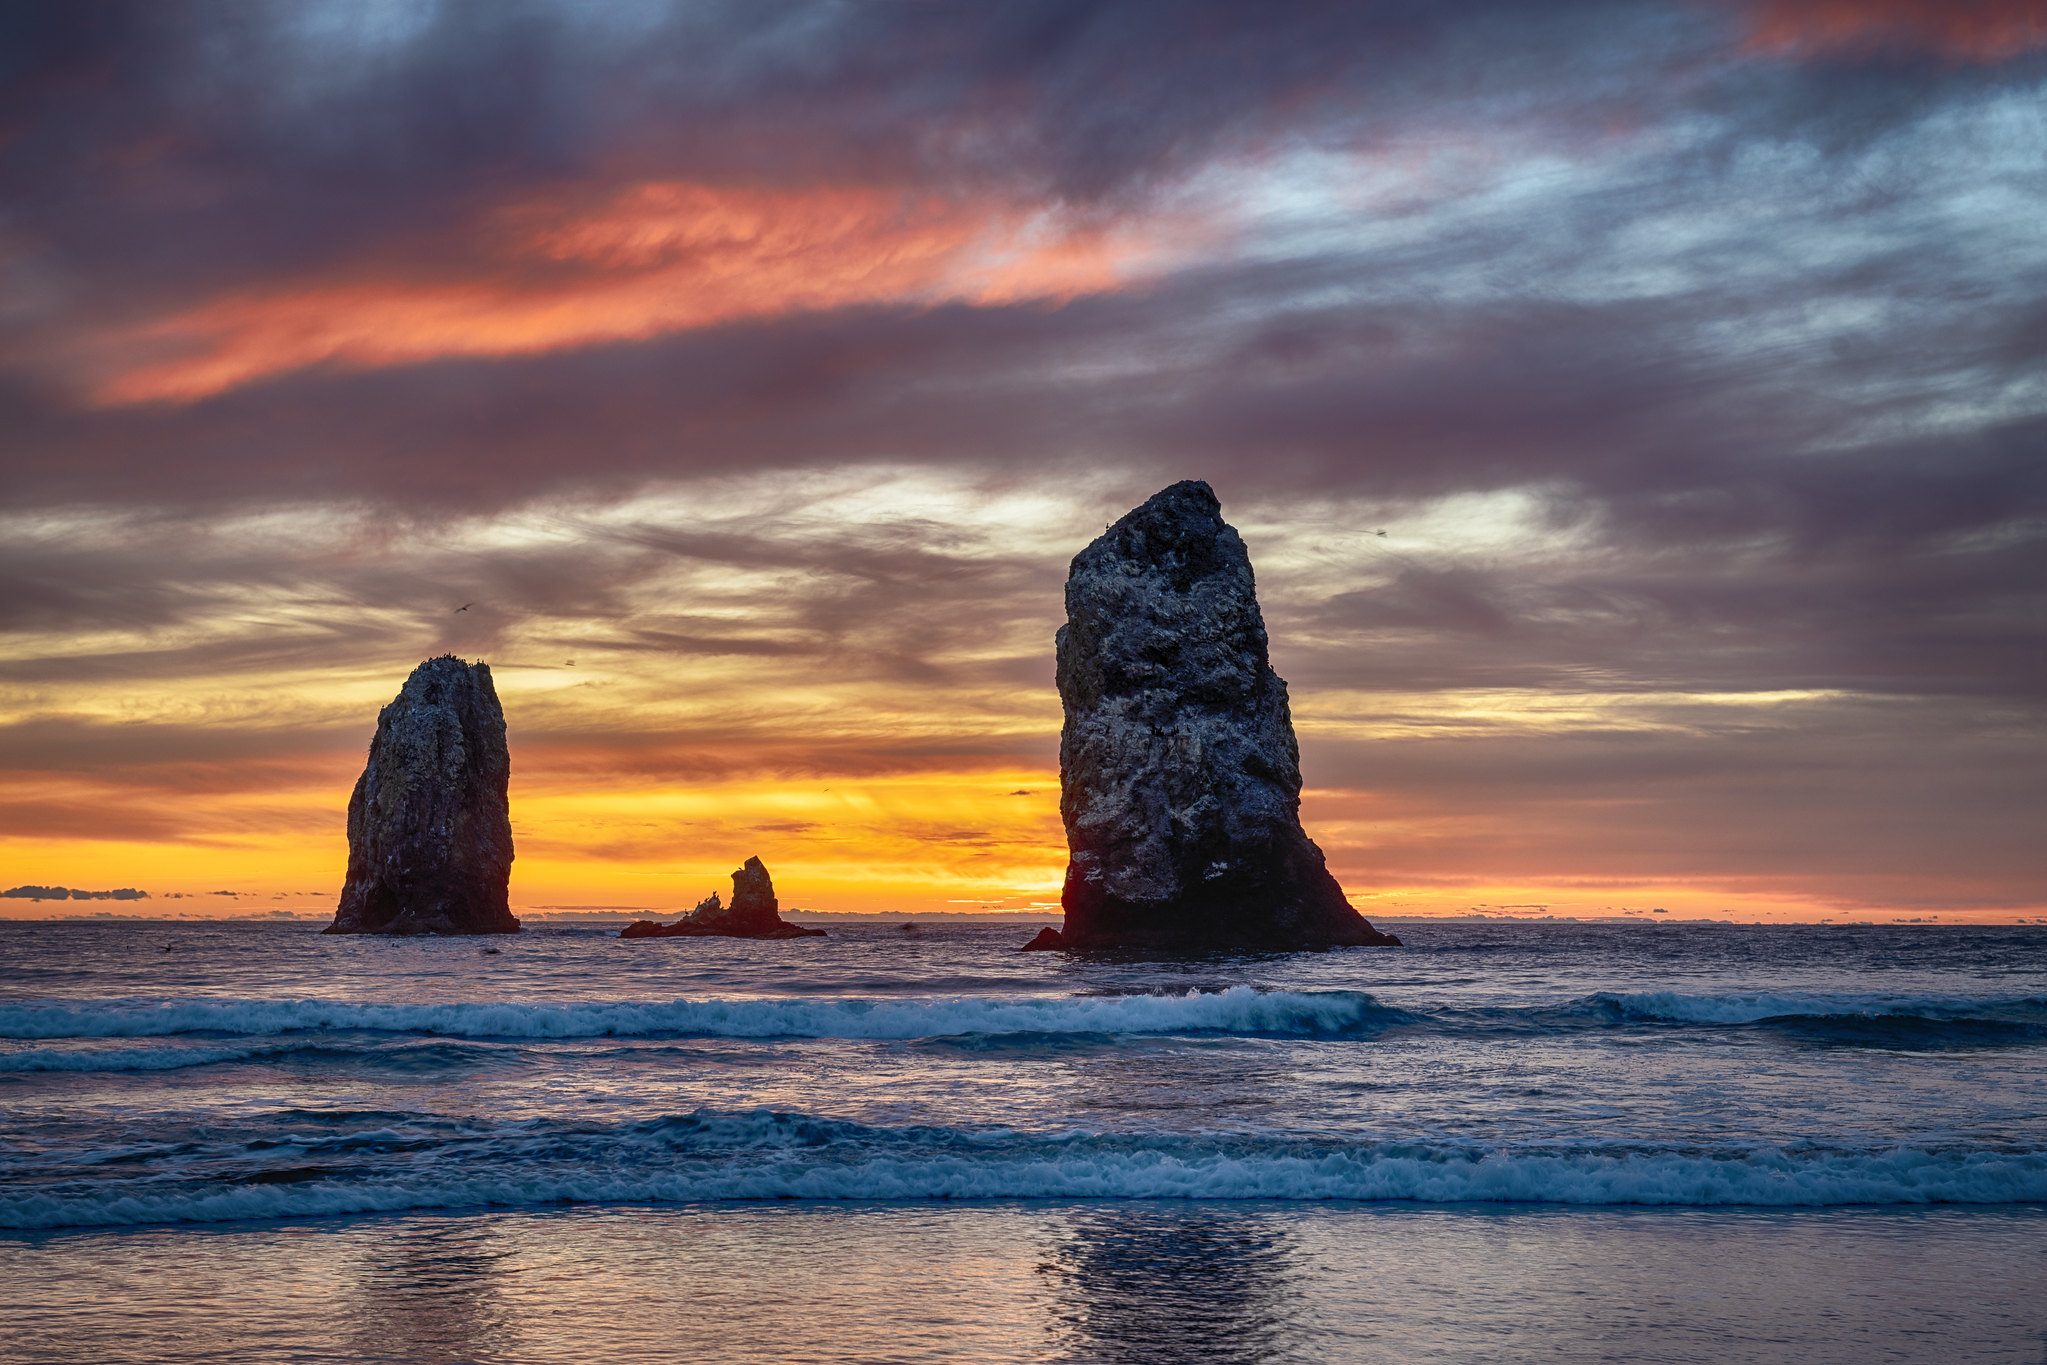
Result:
415,1057
988,1023
1773,1005
1238,1010
1034,1043
781,1156
126,1059
1901,1022
1758,1007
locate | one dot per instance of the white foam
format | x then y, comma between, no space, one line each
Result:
1237,1010
1770,1178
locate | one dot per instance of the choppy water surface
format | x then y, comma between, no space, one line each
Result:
1863,1096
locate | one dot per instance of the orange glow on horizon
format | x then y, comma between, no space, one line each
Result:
900,844
891,844
698,715
651,259
1966,30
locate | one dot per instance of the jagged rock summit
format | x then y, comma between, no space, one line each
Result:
753,913
429,824
1180,779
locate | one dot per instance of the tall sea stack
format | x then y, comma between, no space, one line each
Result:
429,825
1180,780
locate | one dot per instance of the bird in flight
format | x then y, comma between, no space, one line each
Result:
465,606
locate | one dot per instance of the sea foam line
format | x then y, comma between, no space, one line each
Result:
1238,1010
1766,1178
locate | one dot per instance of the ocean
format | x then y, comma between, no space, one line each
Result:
910,1142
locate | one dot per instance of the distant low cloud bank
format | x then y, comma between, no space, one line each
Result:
59,893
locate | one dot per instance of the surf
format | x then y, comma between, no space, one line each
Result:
716,1157
1237,1010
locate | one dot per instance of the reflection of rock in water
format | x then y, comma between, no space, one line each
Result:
1140,1080
1179,1285
430,1296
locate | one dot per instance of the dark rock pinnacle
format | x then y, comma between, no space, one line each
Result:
754,913
1180,779
429,825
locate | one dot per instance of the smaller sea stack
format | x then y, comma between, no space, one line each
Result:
753,913
429,823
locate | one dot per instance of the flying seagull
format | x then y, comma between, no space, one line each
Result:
465,606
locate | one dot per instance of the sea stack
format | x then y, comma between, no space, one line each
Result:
1180,779
429,825
753,913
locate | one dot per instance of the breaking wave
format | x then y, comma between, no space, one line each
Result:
989,1023
762,1155
1238,1010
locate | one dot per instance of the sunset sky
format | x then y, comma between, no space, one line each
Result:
1636,413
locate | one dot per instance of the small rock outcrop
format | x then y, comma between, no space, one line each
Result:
753,913
1180,778
429,823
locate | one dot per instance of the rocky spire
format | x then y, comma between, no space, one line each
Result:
753,913
429,824
754,909
1181,782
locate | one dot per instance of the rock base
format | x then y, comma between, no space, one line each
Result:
646,928
1360,935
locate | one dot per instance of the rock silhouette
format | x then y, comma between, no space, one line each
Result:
429,824
1180,778
753,913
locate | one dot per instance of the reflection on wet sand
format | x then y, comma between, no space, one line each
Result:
1146,1284
1025,1283
433,1296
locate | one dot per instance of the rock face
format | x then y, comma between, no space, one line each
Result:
1180,779
429,825
754,913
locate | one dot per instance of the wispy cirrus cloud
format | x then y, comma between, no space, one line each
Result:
1959,30
637,263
